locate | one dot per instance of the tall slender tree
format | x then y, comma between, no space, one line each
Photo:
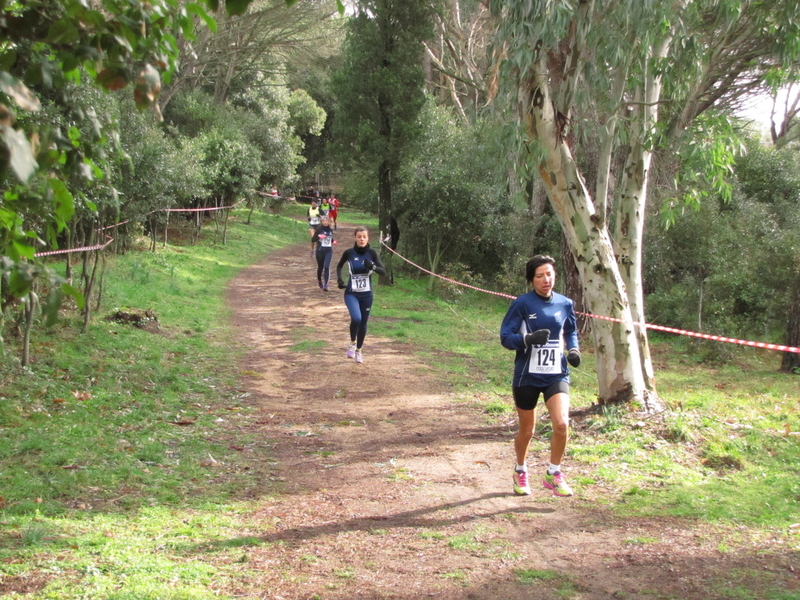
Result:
380,92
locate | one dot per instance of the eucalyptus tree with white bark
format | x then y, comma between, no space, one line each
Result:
592,73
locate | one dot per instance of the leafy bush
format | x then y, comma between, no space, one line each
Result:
713,272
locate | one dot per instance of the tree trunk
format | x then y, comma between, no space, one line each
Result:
791,360
387,224
573,288
197,225
68,256
227,212
153,233
632,204
101,285
700,306
2,320
27,311
166,229
618,361
89,279
434,255
217,204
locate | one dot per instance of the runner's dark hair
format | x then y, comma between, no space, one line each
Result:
536,262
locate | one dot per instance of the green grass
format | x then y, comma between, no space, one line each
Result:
548,579
113,431
466,542
94,414
110,478
427,534
458,576
535,575
713,457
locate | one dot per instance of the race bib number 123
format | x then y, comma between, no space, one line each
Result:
360,283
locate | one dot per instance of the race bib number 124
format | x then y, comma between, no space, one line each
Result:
546,360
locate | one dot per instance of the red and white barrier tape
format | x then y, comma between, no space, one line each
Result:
114,225
194,209
101,246
705,336
82,249
466,285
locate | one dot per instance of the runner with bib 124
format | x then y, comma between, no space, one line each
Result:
541,327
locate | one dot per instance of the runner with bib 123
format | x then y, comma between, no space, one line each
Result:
362,261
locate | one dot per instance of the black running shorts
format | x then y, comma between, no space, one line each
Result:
526,397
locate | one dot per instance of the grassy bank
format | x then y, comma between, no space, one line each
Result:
112,439
111,442
728,448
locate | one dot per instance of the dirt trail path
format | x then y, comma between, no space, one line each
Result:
389,487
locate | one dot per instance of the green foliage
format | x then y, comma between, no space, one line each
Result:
192,113
54,155
770,176
306,116
378,88
156,172
713,270
708,152
261,119
231,165
446,201
360,188
76,158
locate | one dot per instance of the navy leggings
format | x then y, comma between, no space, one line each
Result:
324,265
358,306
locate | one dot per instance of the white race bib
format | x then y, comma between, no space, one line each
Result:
546,360
314,221
326,242
359,283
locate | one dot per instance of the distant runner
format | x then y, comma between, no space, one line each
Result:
323,236
325,206
334,213
313,220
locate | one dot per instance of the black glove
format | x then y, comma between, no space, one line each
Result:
574,357
340,282
369,264
537,338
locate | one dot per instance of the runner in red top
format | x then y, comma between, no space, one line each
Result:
334,212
